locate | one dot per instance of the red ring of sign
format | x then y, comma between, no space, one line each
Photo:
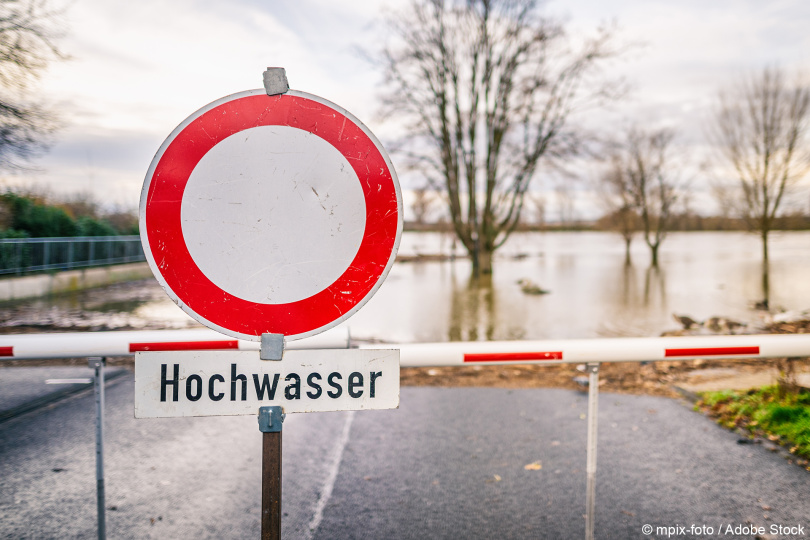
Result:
192,286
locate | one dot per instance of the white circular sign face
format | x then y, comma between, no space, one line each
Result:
271,214
242,236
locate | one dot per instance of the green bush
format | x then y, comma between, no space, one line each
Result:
30,217
38,220
13,233
87,226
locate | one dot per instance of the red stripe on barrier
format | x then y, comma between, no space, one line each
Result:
184,345
6,351
711,351
513,357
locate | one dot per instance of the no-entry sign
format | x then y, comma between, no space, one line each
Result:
271,214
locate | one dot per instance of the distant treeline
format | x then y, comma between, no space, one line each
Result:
678,222
695,222
32,216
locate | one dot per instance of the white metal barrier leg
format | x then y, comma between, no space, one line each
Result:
98,385
590,468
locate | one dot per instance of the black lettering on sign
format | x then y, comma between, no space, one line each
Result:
169,382
234,379
265,386
315,386
211,394
373,375
293,390
331,380
355,380
193,395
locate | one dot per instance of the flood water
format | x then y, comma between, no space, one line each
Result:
593,293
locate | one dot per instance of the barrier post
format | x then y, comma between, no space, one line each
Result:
98,386
590,468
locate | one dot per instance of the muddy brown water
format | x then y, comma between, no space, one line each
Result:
592,292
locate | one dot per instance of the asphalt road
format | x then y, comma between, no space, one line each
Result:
24,388
450,463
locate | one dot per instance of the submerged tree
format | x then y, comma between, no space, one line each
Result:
619,202
422,205
641,177
486,88
761,128
26,47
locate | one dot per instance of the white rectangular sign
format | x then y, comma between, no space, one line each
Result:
224,383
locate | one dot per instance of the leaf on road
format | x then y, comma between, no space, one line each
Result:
536,466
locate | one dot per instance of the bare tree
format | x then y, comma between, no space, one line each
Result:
761,127
564,197
27,34
422,205
655,185
642,175
487,88
619,202
539,203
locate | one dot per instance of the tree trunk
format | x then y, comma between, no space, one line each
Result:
766,286
764,246
481,262
654,254
627,242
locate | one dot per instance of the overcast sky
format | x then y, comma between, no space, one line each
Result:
139,68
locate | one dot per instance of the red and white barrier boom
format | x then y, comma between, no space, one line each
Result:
578,351
89,344
573,351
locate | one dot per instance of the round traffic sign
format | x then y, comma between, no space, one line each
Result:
271,214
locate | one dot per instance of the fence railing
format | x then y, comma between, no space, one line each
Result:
26,255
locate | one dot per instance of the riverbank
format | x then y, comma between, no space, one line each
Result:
34,286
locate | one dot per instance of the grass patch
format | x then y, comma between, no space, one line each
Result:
780,417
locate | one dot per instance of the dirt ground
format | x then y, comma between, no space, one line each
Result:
654,378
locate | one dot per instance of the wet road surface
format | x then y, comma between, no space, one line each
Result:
450,463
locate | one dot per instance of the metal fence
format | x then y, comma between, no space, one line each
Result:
26,255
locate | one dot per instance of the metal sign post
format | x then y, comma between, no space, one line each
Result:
98,386
270,423
590,467
97,364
